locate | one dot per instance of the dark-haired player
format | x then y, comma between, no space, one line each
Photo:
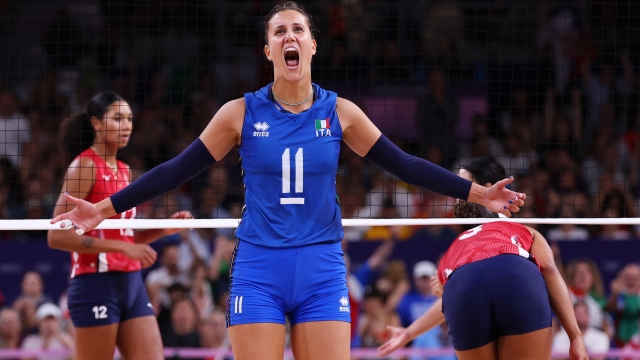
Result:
107,299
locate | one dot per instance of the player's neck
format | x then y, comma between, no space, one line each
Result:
107,153
293,93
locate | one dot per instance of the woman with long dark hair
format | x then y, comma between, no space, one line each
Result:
107,299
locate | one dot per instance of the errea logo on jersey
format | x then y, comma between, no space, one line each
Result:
323,128
344,304
261,128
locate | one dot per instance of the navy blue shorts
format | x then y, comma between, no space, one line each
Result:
500,296
303,284
107,298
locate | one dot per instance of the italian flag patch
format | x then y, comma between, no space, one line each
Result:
323,124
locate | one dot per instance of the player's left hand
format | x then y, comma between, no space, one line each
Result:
185,214
399,338
502,200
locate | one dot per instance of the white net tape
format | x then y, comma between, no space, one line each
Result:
43,224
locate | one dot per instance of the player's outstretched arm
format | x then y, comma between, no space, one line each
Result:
401,336
558,295
363,137
215,141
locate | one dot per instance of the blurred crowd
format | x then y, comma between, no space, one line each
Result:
568,130
189,292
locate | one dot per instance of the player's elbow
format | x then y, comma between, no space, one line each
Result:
53,239
549,269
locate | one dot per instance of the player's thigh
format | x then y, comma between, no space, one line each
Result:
96,343
263,341
139,338
486,352
535,345
321,340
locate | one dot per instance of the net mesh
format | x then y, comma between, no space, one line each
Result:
547,88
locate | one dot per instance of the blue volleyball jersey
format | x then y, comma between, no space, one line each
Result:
289,163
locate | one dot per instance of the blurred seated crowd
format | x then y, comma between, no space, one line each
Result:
189,288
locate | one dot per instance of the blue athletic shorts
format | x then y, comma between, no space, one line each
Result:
107,298
303,284
500,296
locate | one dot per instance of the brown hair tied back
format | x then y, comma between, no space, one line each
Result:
469,210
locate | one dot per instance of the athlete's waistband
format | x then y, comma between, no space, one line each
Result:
314,246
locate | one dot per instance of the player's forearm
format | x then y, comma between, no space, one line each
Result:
148,236
430,319
64,240
477,193
416,171
561,301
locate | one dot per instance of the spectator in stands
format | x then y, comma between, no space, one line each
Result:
359,278
624,303
159,280
437,116
31,297
201,293
416,303
567,231
195,248
218,271
614,205
585,284
375,319
49,336
393,283
594,340
176,293
183,331
10,329
16,129
212,330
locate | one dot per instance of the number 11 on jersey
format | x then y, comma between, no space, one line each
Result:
286,177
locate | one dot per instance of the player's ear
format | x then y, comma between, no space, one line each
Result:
314,46
267,52
96,123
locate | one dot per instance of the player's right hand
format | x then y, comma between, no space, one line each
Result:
577,351
83,218
399,338
141,252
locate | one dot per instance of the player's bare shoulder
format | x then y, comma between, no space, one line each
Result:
225,128
82,168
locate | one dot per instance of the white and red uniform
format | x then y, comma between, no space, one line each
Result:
483,242
106,183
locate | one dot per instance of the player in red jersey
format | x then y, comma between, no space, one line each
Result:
500,284
107,299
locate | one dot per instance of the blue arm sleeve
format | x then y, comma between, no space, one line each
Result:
416,171
165,177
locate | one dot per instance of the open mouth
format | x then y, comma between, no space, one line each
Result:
291,57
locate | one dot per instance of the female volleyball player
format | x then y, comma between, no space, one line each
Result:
107,299
288,261
499,279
